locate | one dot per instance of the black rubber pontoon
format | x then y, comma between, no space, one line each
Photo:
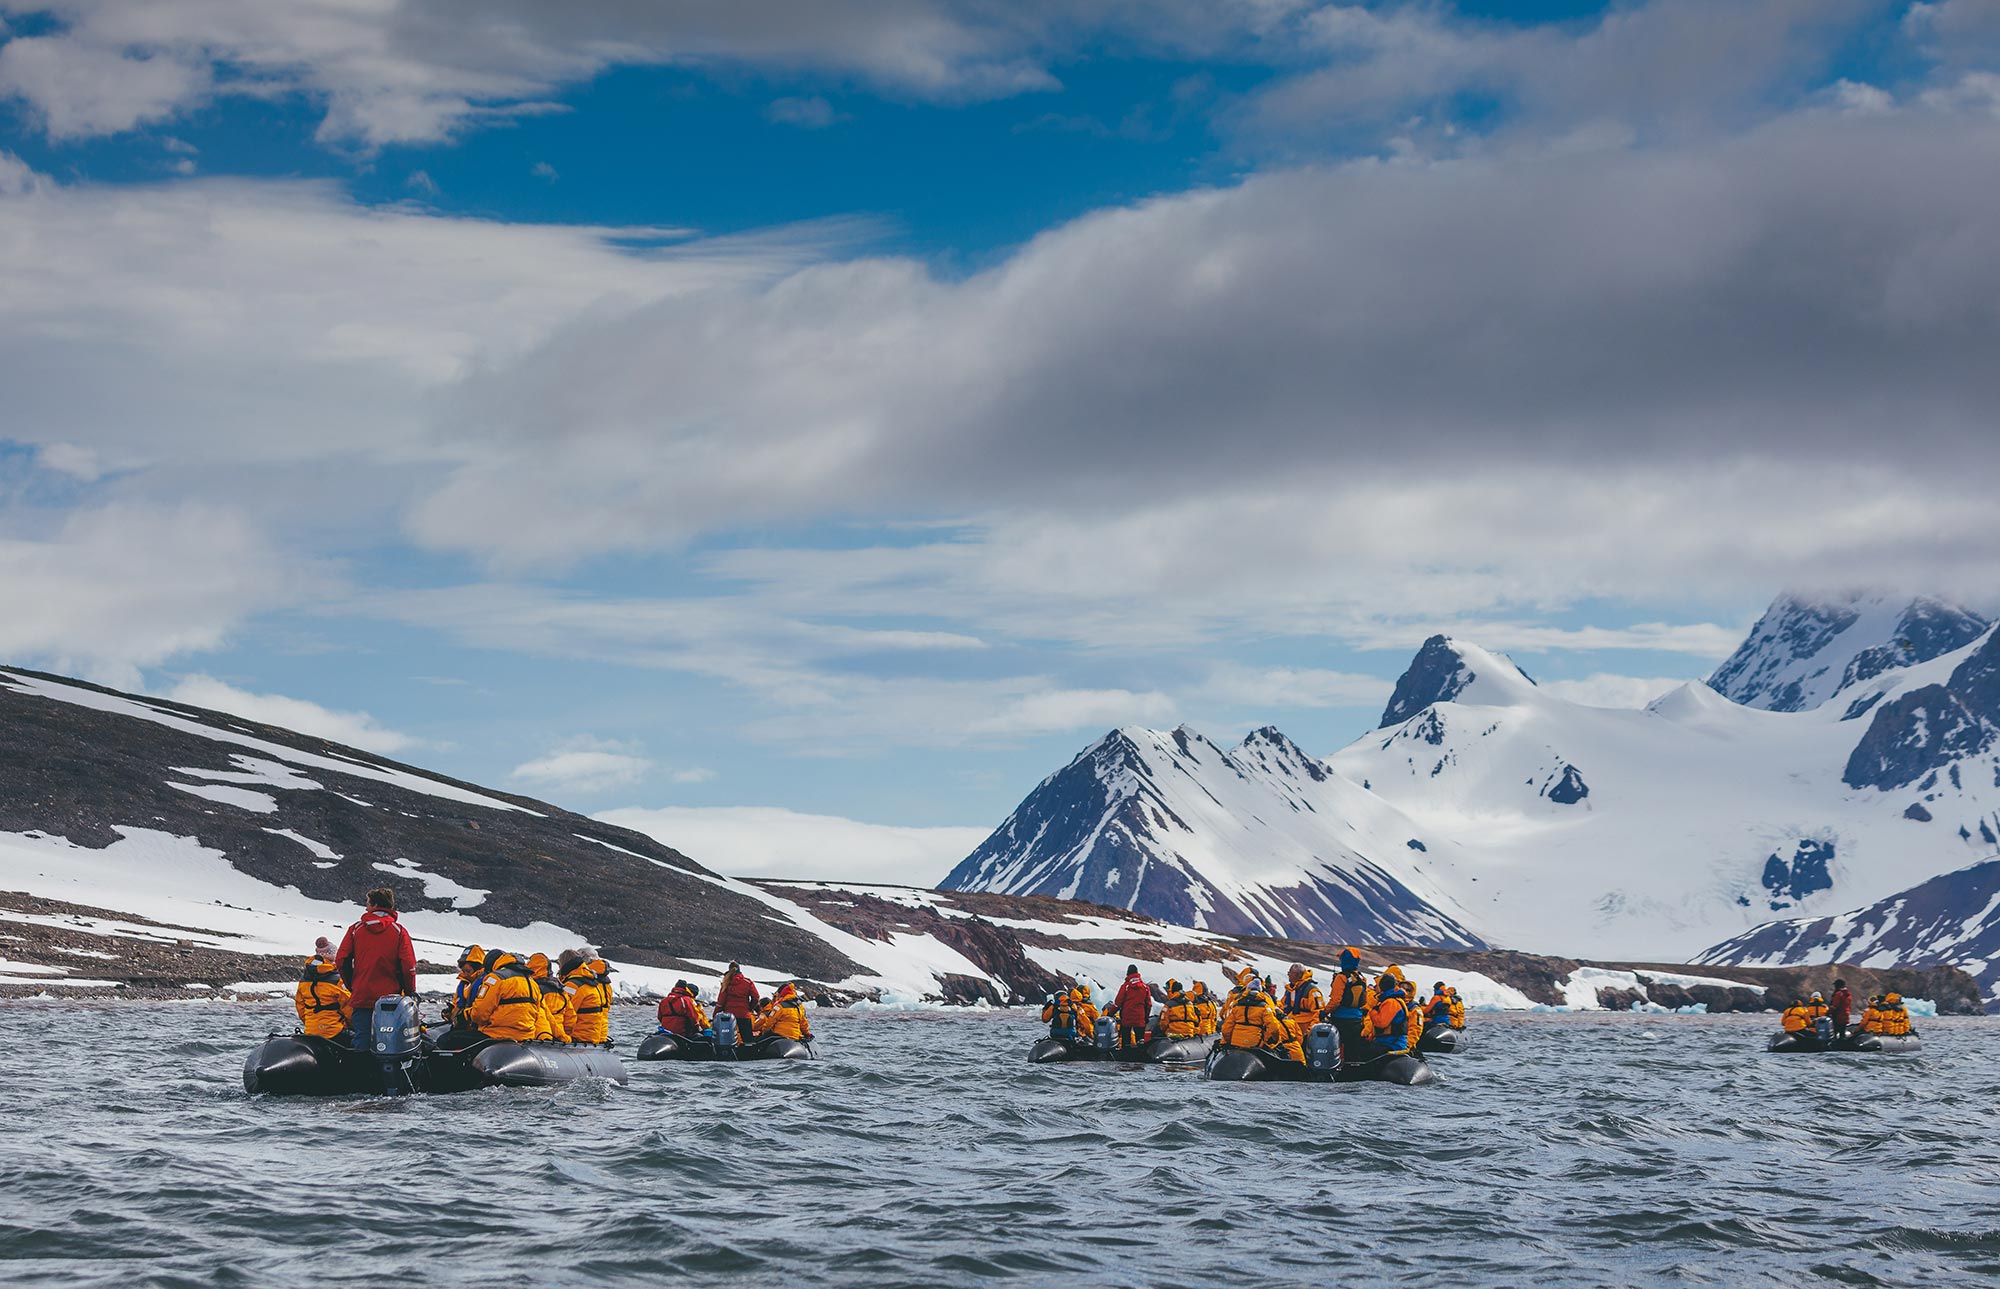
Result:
1158,1050
1809,1043
1442,1041
1244,1065
663,1046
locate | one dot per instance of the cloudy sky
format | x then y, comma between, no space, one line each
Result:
773,419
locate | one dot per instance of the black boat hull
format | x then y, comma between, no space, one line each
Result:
297,1065
1442,1041
1812,1044
1160,1050
1247,1065
771,1047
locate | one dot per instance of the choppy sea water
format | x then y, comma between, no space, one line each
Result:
1560,1150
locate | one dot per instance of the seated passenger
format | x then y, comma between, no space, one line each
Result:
555,1003
1871,1016
506,1006
1817,1008
1437,1012
1895,1018
681,1012
1457,1009
1253,1020
321,999
1797,1018
471,970
1086,1011
1064,1016
1389,1020
1303,1001
784,1015
588,980
1180,1018
1207,1013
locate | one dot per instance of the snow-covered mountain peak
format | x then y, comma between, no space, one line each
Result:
1447,670
1806,649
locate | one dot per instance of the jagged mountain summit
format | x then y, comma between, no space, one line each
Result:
1526,820
1260,839
1805,650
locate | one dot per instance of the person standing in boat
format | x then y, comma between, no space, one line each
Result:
376,960
1134,1005
321,999
1840,1008
1351,1000
737,996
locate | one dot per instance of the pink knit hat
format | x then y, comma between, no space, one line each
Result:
323,947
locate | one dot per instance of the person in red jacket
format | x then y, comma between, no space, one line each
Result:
680,1012
376,959
1134,1006
738,996
1839,1008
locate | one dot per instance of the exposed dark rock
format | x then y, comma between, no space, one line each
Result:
1916,811
1437,674
1569,788
1806,870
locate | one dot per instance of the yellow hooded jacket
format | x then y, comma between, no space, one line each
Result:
589,1012
321,1000
554,1021
784,1015
506,1007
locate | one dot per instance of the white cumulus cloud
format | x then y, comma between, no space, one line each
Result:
769,841
354,729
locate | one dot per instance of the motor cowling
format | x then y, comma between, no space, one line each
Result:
393,1032
725,1031
1823,1026
1105,1033
1322,1048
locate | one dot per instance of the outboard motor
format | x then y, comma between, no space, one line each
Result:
396,1038
1323,1049
1104,1034
1823,1027
725,1035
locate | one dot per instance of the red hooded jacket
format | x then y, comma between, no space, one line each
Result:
1134,1002
739,997
1841,1006
377,959
680,1014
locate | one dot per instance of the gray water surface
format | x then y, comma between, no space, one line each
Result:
1560,1150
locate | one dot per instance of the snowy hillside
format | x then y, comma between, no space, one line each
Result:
1260,838
1488,809
1663,831
1803,651
1952,919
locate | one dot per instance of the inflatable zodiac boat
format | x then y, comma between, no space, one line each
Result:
402,1058
1323,1064
1808,1042
1160,1049
721,1045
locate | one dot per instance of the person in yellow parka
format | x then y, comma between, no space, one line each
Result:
1893,1019
1457,1007
1064,1018
588,979
784,1015
1350,1001
1302,1001
1180,1018
1797,1018
1086,1011
554,1026
1207,1015
506,1006
1253,1020
321,999
1871,1016
471,970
